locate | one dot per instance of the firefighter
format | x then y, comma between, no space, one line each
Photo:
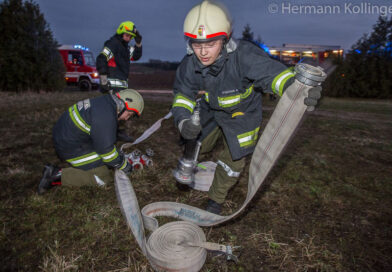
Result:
114,60
85,137
227,73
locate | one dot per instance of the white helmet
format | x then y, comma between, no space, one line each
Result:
131,100
206,21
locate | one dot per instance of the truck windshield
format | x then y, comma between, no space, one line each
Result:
89,58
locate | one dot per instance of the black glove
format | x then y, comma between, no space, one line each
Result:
138,38
104,83
314,95
189,130
128,169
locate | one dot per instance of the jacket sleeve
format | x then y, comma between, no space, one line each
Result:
184,91
104,56
136,52
266,73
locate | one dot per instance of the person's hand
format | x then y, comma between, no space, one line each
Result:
189,130
314,95
138,38
104,83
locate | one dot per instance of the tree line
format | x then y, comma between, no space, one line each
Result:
29,60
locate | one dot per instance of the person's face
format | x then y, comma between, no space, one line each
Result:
207,52
126,115
127,37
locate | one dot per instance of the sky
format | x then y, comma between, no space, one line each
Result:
160,22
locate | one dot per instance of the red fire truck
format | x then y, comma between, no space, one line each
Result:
80,67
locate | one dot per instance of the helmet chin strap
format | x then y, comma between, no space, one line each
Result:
229,43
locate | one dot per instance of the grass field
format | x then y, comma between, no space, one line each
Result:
326,205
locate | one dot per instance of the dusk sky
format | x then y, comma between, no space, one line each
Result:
91,22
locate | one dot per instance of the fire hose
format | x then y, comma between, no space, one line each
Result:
181,245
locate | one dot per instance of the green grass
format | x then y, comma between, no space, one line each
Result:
326,205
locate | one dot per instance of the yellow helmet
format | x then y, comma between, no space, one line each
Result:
207,20
127,27
132,101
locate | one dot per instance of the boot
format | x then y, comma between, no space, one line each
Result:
51,176
123,136
214,207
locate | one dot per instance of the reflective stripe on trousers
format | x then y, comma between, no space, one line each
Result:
228,170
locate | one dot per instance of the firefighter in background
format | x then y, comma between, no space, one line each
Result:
114,61
85,137
226,72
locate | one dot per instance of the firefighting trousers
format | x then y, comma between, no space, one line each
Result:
227,170
74,177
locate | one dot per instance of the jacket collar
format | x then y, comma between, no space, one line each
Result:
120,39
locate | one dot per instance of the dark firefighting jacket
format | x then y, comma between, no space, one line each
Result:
114,60
230,101
85,135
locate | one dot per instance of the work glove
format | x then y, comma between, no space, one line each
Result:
188,129
104,83
138,38
128,169
314,95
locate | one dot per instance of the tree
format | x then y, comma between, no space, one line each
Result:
29,59
247,34
367,70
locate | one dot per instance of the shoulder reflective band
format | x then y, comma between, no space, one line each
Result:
118,83
184,102
248,138
78,120
107,53
85,159
228,170
280,80
108,157
124,164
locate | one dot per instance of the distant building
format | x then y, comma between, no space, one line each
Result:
291,53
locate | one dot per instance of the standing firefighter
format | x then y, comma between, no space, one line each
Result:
85,137
227,73
114,60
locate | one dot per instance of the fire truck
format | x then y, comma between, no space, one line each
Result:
80,67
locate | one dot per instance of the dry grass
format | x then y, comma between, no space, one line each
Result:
324,207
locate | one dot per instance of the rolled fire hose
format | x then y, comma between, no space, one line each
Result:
181,246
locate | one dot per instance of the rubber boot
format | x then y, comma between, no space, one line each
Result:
51,176
123,136
213,207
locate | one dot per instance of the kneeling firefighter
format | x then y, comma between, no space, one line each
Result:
85,137
227,73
